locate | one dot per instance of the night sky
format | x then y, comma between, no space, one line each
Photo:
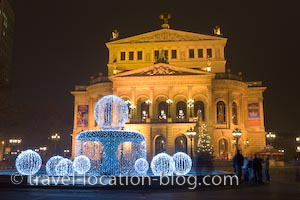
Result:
60,43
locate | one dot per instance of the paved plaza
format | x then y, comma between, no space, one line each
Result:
284,185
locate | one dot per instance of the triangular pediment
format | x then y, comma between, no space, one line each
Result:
161,69
166,35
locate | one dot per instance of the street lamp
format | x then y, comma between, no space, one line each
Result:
191,134
270,137
169,102
55,137
298,144
190,105
148,102
236,133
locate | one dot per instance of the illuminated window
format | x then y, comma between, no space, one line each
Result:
209,53
181,110
160,145
200,53
123,55
199,106
181,144
131,54
221,112
191,53
174,54
223,149
234,114
140,55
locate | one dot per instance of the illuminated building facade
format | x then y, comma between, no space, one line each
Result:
6,45
168,77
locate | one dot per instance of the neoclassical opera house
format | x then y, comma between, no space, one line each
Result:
167,76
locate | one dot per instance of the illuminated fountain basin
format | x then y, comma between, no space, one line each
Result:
111,152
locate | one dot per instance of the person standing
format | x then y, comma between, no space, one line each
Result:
238,161
266,168
257,169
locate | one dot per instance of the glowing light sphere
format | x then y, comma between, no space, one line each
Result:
28,162
141,166
111,112
81,164
183,163
162,165
64,167
51,165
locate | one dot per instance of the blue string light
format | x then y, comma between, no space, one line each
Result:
81,164
64,167
111,112
141,166
51,164
28,162
183,163
162,165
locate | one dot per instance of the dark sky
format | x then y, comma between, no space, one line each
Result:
60,43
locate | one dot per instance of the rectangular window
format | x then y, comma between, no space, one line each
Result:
166,54
200,53
209,53
123,55
191,53
140,55
174,54
131,55
156,54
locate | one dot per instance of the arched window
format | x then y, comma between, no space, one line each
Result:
199,105
160,145
223,149
221,112
144,111
181,144
181,110
162,110
234,114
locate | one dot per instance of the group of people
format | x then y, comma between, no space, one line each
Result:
252,169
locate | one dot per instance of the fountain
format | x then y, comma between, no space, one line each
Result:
111,151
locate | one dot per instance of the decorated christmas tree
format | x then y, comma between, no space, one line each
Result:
204,142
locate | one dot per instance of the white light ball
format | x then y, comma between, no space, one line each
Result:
183,163
51,164
111,112
28,162
141,166
81,164
162,165
64,167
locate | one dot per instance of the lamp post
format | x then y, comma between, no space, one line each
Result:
236,133
190,105
191,134
13,143
55,137
298,144
270,137
148,102
169,102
